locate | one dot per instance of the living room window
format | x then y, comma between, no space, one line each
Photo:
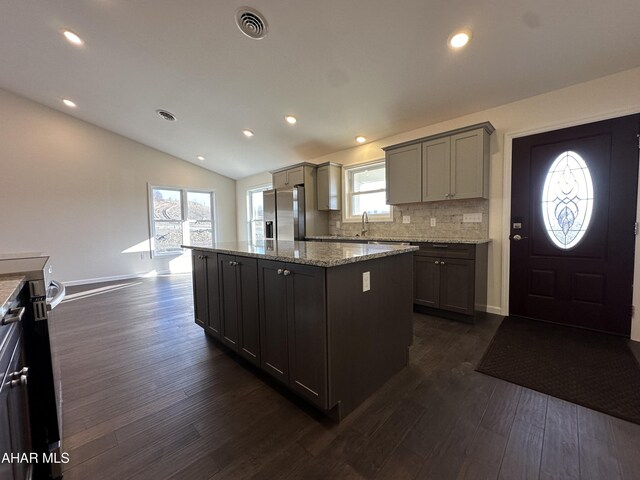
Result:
180,216
365,191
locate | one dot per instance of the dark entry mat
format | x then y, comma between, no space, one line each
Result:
595,370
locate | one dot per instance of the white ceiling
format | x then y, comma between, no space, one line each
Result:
347,67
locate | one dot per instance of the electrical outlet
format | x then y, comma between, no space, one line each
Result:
406,219
472,218
433,221
366,281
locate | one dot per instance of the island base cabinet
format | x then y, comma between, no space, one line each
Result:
293,327
272,294
238,293
205,291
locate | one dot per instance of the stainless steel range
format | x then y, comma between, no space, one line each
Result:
44,388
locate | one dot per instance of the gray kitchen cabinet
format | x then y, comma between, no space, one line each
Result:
448,166
329,188
238,294
450,279
293,327
205,291
288,178
470,165
436,169
403,169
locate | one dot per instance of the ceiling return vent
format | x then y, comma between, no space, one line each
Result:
251,23
166,115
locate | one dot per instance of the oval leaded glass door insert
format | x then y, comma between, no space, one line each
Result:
567,200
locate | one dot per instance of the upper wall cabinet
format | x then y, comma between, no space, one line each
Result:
289,177
329,180
448,166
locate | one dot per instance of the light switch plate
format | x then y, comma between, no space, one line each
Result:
433,221
472,218
406,219
366,281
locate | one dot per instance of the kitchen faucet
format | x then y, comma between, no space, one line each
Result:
365,224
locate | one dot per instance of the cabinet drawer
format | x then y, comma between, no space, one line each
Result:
446,250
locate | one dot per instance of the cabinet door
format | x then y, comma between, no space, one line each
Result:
272,295
228,300
14,415
436,169
329,187
307,321
247,271
279,179
199,264
468,165
404,174
213,295
295,176
457,279
426,281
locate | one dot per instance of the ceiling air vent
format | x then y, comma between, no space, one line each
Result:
166,115
251,23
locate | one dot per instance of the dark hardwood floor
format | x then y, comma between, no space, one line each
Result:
148,396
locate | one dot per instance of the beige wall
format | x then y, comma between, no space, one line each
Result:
606,97
79,193
242,186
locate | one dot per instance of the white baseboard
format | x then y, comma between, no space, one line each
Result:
494,310
86,281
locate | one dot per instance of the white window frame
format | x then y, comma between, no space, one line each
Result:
250,220
347,196
185,219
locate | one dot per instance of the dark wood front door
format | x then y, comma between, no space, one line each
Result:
573,212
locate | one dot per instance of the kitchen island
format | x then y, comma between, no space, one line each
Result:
331,321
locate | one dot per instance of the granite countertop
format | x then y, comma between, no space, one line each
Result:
321,254
376,238
9,287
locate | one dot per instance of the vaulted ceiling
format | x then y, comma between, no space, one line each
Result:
343,68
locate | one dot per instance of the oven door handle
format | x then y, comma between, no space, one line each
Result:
57,298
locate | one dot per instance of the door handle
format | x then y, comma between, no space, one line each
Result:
517,238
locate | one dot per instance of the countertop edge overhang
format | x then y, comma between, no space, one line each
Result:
320,254
400,239
9,287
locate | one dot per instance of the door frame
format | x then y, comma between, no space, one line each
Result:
509,136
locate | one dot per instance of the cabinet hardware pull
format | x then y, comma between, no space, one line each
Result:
453,194
437,262
14,315
280,271
441,263
437,245
286,273
19,373
19,382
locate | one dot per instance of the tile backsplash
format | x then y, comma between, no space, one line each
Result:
449,217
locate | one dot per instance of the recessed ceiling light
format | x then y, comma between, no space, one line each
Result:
291,119
247,133
73,38
459,39
69,103
200,157
360,139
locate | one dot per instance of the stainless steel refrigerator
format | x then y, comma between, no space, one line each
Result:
284,214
